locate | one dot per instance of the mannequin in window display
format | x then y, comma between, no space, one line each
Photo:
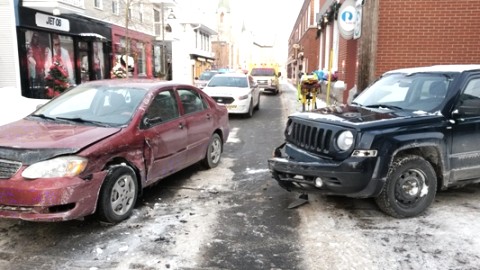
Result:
62,56
32,74
48,61
97,62
38,57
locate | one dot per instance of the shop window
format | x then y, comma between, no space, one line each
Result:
44,56
115,7
141,59
98,4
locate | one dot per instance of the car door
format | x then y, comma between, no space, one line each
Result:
465,147
165,135
199,122
255,90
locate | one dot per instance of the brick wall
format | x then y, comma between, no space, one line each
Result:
416,33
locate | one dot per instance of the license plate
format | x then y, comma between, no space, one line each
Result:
231,106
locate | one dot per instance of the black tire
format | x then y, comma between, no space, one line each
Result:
118,194
410,188
214,152
249,114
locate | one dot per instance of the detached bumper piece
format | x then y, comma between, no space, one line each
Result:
350,177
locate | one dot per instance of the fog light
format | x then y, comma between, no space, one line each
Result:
318,182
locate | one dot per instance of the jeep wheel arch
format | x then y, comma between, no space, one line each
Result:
410,187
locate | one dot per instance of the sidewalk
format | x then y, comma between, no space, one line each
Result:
290,98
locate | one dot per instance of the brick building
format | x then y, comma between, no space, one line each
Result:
394,34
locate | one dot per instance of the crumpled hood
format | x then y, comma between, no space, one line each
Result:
226,91
355,115
29,141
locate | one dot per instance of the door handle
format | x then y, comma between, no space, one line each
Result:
181,126
209,116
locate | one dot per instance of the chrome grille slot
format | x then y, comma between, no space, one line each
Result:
8,168
311,138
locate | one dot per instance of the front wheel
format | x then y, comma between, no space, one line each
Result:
214,152
410,188
249,114
118,194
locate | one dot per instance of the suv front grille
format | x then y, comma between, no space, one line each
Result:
311,138
8,168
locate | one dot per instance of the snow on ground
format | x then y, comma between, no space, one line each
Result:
13,106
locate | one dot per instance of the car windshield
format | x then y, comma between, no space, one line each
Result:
205,76
263,72
228,81
94,104
416,92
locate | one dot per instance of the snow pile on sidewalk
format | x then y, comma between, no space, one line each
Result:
13,106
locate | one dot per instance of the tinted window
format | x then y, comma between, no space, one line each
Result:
191,101
163,108
207,75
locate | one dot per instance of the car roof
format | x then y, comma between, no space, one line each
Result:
141,83
241,75
436,68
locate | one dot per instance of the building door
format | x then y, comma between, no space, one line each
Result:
92,60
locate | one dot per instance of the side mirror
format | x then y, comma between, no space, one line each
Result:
469,107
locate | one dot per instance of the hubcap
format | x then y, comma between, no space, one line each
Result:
123,194
411,187
215,150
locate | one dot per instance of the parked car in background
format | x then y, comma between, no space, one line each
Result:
412,132
238,92
95,147
201,81
266,78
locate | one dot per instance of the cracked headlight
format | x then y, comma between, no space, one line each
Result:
345,140
58,167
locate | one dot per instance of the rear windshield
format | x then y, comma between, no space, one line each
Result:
262,72
207,75
228,81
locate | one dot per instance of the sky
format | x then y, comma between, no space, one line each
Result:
271,21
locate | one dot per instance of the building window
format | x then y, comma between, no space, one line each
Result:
141,12
98,4
115,7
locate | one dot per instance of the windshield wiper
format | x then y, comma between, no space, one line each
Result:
82,120
392,107
43,116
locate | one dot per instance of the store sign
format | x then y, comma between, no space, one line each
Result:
357,31
52,22
347,18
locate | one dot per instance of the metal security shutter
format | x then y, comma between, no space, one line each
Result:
9,76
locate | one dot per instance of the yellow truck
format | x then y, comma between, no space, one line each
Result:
266,76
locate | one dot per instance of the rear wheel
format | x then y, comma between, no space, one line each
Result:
214,152
410,188
118,194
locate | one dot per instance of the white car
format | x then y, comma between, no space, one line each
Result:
238,92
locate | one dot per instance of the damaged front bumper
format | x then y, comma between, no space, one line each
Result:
53,199
351,177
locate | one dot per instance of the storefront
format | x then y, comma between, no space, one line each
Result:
56,52
139,51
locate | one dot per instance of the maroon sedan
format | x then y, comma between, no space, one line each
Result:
94,148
